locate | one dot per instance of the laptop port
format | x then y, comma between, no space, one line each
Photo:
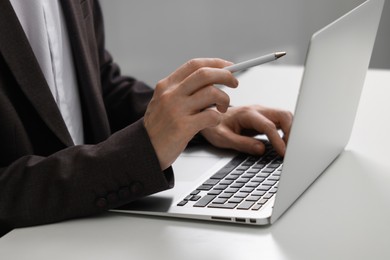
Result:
221,218
240,220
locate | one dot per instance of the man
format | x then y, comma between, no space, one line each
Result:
78,138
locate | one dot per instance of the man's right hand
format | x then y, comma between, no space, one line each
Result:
178,111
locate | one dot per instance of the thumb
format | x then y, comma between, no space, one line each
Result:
245,144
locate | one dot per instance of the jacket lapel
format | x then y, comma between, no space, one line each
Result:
16,50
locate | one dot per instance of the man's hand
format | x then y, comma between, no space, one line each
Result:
240,124
178,109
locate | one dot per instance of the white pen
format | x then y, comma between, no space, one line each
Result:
254,62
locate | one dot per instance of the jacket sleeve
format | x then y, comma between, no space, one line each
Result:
81,180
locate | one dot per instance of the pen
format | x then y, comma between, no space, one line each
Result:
254,62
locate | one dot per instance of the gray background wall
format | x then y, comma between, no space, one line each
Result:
150,39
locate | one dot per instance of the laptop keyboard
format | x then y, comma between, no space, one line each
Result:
245,183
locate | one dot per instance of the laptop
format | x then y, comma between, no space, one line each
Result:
253,190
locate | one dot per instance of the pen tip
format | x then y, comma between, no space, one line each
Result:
280,54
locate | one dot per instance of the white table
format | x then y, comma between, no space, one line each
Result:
344,215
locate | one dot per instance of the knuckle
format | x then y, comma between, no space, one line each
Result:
226,99
216,95
245,110
286,115
269,127
203,72
290,115
194,64
160,86
165,99
211,91
211,118
215,118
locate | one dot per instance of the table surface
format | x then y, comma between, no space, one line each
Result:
345,214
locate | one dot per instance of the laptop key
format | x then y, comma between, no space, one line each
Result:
236,200
228,167
243,168
195,192
232,177
226,195
263,187
243,180
269,170
231,190
214,192
274,178
204,201
188,197
195,198
257,179
219,201
268,195
237,185
262,175
211,182
241,195
277,173
248,175
247,189
236,172
262,201
226,182
254,170
221,187
258,193
258,166
223,206
257,207
253,198
252,184
274,165
204,187
269,183
246,205
182,203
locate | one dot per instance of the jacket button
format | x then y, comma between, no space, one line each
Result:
124,193
101,203
136,188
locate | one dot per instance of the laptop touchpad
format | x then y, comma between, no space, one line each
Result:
190,168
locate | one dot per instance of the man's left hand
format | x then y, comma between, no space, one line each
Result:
239,125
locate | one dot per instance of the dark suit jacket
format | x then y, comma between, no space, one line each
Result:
44,178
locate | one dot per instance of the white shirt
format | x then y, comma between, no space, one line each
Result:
44,25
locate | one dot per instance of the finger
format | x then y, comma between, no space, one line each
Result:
264,125
207,76
205,119
270,130
285,124
282,119
193,65
209,96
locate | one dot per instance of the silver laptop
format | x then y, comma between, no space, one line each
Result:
258,190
